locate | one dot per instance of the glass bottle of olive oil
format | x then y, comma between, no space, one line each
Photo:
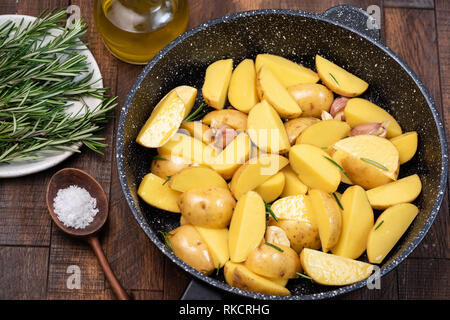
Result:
135,30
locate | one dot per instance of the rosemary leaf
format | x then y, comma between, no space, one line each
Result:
337,165
159,158
338,201
301,275
166,240
374,163
167,180
196,114
334,78
273,246
269,210
379,225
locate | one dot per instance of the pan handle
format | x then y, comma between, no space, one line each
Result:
366,22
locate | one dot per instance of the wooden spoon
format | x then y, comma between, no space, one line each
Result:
69,177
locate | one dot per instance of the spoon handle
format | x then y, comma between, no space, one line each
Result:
117,288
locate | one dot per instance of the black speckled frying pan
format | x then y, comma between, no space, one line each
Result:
341,35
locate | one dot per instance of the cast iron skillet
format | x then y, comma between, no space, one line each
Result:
340,34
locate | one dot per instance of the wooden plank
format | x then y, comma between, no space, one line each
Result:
420,53
418,4
388,290
175,280
8,7
23,273
138,294
424,279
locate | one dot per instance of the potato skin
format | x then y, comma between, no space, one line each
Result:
230,117
301,234
313,98
169,167
272,263
207,206
187,244
295,127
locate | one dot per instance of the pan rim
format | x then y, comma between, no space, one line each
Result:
222,285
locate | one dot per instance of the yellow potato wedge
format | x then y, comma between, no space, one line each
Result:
196,177
254,172
312,98
166,165
233,156
295,127
372,161
313,167
388,229
295,216
287,72
338,156
358,110
328,216
274,261
198,130
403,190
242,93
271,189
357,221
188,245
266,129
247,226
155,191
331,270
239,276
406,145
229,117
292,185
217,80
272,90
189,148
324,133
217,242
339,80
166,117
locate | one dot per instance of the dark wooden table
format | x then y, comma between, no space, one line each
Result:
35,255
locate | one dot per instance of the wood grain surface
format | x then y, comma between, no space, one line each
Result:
35,255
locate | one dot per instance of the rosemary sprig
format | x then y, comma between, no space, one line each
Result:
379,225
273,246
167,180
334,78
160,158
338,201
196,114
374,163
337,165
269,210
166,239
38,81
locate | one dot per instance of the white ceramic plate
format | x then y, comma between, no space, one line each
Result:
22,168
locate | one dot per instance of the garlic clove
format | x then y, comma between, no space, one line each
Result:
338,105
223,136
372,128
326,116
340,116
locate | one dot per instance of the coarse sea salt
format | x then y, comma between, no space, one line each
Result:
75,207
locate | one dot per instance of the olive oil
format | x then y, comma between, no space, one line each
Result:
135,30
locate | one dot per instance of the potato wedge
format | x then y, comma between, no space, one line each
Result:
406,145
166,165
312,98
229,117
217,242
247,226
331,270
233,156
313,167
295,216
272,90
266,129
295,127
217,80
155,191
271,189
166,117
292,185
388,229
239,276
287,72
189,148
339,80
328,216
357,221
242,91
274,262
188,245
210,207
403,190
372,161
196,177
198,130
324,133
254,172
358,110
